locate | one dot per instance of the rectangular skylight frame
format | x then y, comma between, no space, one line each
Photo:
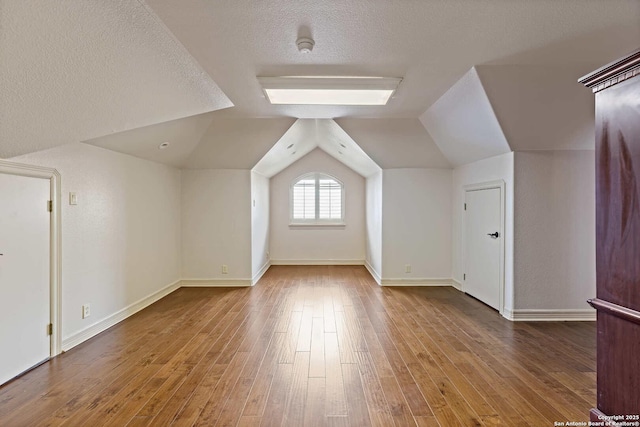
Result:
329,90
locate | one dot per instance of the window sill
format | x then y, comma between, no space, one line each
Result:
317,225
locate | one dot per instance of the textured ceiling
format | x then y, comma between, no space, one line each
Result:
130,74
74,70
430,43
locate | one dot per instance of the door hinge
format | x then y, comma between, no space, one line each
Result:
465,206
50,205
464,277
50,329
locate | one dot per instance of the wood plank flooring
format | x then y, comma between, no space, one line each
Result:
314,346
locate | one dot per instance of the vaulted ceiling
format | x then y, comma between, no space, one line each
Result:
128,75
429,43
308,134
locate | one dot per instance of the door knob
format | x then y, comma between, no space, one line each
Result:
494,235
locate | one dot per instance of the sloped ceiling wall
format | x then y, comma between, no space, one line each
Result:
236,143
183,135
494,109
463,124
541,107
266,145
338,144
395,143
308,134
114,67
297,142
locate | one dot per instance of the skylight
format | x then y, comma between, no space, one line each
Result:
329,90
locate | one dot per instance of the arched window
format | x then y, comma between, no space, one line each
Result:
317,198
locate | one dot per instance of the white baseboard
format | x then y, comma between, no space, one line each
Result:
418,282
317,262
373,272
260,273
109,321
518,315
443,281
541,315
215,283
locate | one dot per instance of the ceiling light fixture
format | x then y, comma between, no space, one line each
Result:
163,145
326,90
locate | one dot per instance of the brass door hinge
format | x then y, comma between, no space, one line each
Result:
50,329
50,205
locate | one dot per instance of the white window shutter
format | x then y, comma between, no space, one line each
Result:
317,198
304,199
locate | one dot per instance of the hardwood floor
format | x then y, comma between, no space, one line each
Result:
314,346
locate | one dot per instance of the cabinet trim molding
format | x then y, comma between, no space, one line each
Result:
615,310
613,73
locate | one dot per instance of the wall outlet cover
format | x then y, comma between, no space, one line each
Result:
86,311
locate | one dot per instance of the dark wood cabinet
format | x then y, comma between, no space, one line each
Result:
617,91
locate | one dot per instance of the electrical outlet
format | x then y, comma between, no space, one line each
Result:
86,311
225,269
407,268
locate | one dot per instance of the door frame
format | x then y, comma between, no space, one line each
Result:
55,243
499,184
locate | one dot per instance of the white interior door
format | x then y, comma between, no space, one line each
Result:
24,274
482,245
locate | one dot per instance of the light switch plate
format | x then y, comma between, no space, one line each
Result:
73,199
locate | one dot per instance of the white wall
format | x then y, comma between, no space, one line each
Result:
555,229
121,242
216,224
416,223
259,223
492,169
342,244
374,224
